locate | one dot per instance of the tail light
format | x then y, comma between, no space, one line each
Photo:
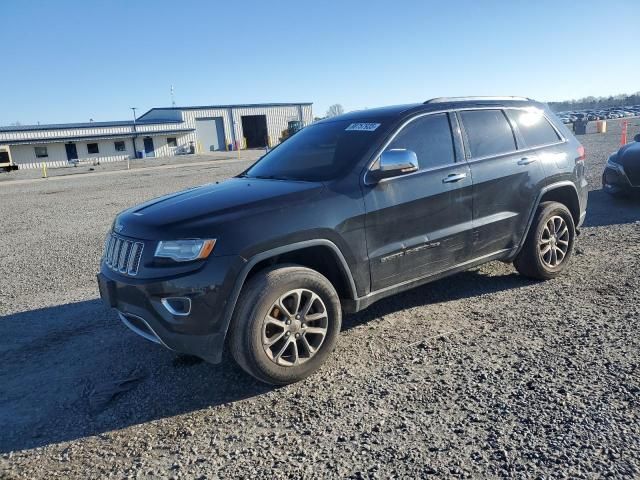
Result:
582,155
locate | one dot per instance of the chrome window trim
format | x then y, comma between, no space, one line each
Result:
464,161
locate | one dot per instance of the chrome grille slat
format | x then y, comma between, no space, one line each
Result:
116,254
112,244
122,255
132,257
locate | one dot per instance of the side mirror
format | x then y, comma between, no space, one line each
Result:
637,137
396,162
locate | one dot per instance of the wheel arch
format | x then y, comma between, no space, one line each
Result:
319,254
564,192
567,194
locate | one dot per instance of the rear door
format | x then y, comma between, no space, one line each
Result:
420,223
505,180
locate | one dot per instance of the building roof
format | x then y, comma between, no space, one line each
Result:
66,126
239,105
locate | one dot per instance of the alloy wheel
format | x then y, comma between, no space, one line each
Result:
554,242
295,327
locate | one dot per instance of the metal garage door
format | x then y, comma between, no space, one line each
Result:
210,134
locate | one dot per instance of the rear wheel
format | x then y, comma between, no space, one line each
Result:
549,244
285,325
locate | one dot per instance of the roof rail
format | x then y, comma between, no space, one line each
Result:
471,99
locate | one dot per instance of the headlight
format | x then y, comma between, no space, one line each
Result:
185,250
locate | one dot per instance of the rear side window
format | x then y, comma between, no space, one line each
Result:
488,132
430,138
534,127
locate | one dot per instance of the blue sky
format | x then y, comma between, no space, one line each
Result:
72,60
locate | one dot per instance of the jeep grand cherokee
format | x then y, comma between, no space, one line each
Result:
345,212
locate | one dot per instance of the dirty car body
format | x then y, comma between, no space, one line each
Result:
370,234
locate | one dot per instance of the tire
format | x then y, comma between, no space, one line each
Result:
266,303
531,262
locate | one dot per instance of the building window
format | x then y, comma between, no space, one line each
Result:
120,146
92,148
41,152
172,142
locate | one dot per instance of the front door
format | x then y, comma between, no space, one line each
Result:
419,224
505,181
148,147
72,151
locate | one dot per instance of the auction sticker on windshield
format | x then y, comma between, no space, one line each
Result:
362,127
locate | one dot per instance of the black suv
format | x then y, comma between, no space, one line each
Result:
345,212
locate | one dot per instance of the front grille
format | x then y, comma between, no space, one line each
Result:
632,169
122,255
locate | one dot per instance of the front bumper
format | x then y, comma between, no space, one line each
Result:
201,331
615,180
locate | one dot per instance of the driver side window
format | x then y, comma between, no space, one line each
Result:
430,138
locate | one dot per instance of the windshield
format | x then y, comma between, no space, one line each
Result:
318,152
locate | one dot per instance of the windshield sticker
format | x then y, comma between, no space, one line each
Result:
362,127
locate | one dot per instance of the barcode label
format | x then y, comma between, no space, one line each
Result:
362,127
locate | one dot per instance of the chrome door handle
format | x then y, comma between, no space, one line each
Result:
526,161
454,177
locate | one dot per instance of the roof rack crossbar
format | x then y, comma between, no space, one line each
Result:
471,99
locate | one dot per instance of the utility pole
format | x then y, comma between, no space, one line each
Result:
173,98
135,150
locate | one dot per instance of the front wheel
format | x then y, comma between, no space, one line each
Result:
549,243
285,325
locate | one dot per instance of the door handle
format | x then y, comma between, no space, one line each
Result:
454,177
526,161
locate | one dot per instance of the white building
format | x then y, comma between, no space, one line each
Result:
159,132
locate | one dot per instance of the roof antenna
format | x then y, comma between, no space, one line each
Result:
173,99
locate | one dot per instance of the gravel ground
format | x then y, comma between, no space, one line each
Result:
483,374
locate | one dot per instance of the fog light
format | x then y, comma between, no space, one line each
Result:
180,306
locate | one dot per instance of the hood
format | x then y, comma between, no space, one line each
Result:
198,212
629,153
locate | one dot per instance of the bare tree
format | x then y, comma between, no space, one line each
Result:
335,110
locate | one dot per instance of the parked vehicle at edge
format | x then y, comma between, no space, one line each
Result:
621,174
346,212
6,162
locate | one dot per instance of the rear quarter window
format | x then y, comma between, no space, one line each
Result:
534,127
488,132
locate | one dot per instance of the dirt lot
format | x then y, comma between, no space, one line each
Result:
484,374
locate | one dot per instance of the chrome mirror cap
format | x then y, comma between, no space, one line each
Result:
393,163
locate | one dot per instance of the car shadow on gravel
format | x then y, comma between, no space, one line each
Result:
74,370
604,209
467,284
